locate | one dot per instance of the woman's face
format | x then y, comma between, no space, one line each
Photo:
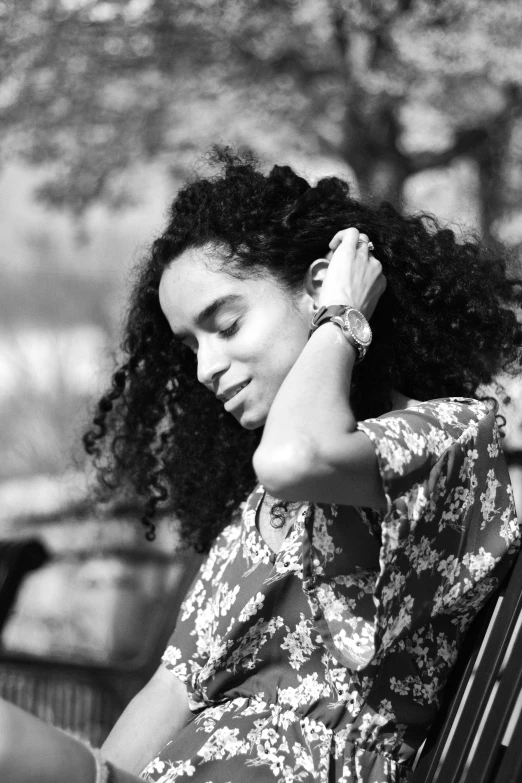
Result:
244,332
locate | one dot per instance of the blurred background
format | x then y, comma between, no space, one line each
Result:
105,108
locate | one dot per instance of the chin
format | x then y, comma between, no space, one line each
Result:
250,421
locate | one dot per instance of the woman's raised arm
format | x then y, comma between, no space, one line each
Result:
310,449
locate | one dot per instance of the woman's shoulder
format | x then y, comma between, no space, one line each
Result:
439,421
409,442
446,412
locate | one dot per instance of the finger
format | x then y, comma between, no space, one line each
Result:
376,266
346,233
350,235
329,255
363,245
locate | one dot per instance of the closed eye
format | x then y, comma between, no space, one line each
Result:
224,333
231,330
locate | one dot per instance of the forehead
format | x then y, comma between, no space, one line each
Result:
194,280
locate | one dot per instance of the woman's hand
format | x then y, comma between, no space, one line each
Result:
354,276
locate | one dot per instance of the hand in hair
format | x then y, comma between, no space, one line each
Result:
354,276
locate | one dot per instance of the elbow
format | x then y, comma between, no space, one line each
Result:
285,470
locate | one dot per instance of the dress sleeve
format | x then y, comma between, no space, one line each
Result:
193,641
447,536
185,653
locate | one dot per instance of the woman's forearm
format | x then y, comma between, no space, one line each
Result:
311,407
32,751
153,717
315,396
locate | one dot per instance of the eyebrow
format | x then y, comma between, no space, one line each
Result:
212,309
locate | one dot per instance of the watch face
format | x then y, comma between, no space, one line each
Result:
358,326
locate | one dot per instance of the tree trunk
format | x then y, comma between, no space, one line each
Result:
491,157
383,179
371,149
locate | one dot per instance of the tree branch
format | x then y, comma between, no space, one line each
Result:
340,36
466,143
470,141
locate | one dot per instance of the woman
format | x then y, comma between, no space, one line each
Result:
317,638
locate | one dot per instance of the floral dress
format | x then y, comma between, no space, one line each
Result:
305,666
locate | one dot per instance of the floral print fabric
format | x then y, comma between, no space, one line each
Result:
318,664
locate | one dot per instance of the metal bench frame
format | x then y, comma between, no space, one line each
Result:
465,745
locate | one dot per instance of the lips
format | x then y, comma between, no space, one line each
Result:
228,395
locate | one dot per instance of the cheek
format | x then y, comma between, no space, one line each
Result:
272,344
282,351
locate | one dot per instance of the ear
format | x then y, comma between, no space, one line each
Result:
315,276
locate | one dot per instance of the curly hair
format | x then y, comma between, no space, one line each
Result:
445,326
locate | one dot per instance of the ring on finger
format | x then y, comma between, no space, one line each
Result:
366,242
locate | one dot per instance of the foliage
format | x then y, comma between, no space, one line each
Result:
40,426
391,86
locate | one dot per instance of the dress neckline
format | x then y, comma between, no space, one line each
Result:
257,510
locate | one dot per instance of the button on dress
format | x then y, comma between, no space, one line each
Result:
306,666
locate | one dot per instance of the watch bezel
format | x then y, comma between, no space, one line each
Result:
348,328
339,316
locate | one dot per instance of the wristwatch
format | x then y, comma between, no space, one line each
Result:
354,326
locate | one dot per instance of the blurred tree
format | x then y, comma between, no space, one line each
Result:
392,87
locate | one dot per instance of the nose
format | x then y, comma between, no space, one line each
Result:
211,362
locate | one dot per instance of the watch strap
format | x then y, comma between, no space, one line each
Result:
324,314
335,314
